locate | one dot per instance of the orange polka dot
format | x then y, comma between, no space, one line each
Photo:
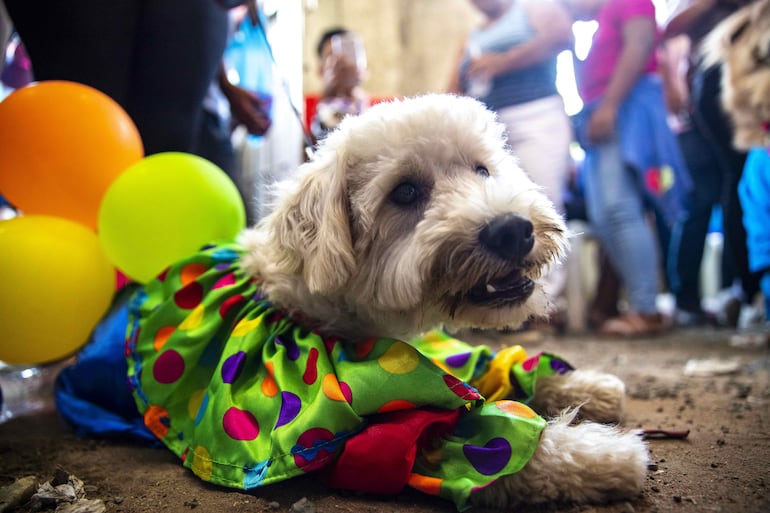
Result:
269,386
161,336
425,484
153,419
190,272
331,388
398,404
516,408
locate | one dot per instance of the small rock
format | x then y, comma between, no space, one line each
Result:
17,493
302,506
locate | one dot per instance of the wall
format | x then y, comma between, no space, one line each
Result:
411,45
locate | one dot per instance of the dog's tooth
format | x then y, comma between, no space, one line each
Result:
490,288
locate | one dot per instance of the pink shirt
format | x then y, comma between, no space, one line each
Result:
607,44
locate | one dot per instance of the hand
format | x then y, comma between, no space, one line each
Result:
248,110
601,126
485,65
340,75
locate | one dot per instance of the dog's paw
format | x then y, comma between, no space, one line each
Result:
601,396
583,463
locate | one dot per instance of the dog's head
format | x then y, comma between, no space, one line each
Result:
410,216
741,43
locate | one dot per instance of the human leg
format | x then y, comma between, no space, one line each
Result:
615,207
539,133
717,128
179,47
689,233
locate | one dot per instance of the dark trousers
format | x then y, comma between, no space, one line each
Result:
688,236
716,168
156,58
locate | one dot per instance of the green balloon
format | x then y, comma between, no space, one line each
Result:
164,208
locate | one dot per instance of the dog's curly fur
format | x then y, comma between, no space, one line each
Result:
415,216
741,44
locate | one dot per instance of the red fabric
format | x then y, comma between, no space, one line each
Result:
311,102
379,459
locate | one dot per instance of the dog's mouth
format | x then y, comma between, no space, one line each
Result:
509,290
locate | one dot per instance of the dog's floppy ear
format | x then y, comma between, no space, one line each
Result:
316,224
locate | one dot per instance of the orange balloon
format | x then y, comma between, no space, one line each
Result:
61,146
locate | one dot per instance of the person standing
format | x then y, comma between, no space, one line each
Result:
633,163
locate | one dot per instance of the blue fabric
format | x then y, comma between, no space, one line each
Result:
648,145
93,394
754,191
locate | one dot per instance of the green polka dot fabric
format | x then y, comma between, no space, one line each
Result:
246,396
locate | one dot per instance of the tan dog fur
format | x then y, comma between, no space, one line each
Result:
741,43
345,252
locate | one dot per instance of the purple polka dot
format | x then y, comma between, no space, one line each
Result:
231,369
458,360
490,459
240,424
168,368
560,366
290,407
292,350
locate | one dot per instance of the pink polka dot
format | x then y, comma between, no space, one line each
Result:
229,303
190,296
314,449
240,424
460,388
168,368
346,392
225,281
531,363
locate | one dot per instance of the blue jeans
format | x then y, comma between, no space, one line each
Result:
615,201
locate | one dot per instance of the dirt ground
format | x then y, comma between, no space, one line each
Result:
722,466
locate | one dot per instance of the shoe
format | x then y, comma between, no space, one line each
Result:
693,318
634,325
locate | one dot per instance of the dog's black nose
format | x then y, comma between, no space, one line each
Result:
509,236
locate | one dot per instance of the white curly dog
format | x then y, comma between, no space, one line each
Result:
414,216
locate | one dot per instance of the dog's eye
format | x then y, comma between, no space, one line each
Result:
482,170
405,194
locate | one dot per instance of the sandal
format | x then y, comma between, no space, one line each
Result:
633,325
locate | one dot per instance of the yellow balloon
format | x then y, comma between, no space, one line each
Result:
57,283
164,208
